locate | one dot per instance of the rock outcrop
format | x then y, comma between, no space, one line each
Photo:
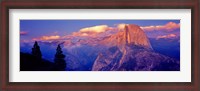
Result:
130,50
131,34
135,59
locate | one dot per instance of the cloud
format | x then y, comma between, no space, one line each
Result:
95,29
121,26
166,36
23,33
44,38
170,26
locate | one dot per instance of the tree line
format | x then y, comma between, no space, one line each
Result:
34,61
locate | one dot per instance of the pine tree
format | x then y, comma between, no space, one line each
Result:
36,51
59,60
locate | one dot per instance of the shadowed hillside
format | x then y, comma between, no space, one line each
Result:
35,62
29,63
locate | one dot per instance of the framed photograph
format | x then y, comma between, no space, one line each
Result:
100,45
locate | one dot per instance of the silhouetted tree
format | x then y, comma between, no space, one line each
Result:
59,60
36,51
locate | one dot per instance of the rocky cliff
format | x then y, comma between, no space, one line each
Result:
130,50
130,34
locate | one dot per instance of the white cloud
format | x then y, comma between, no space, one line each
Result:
166,36
170,26
96,29
44,38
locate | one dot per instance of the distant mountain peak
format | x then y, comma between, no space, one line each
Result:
130,34
134,34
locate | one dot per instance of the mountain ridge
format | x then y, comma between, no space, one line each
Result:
133,52
130,34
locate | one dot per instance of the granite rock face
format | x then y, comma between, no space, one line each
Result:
131,34
130,50
135,58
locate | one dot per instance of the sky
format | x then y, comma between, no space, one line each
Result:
54,29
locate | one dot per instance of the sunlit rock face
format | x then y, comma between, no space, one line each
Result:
134,34
130,34
130,50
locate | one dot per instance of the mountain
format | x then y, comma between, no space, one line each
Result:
131,34
84,56
131,50
134,59
127,48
